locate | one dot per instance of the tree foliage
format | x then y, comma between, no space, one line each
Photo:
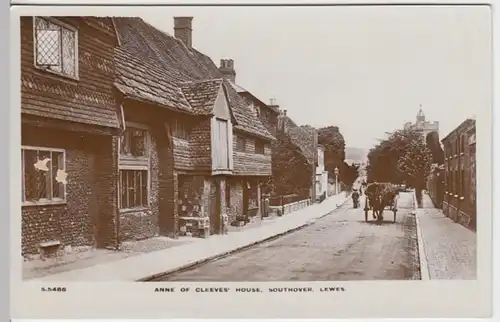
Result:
415,163
383,158
291,172
348,173
334,144
434,145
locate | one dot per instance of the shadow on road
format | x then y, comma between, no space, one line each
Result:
379,223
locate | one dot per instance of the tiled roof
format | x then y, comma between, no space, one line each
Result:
146,81
147,42
170,66
201,95
237,87
464,125
304,137
243,91
244,115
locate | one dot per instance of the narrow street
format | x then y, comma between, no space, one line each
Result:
339,246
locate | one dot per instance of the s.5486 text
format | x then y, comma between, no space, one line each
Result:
53,289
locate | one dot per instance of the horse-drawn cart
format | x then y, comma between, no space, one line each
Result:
379,197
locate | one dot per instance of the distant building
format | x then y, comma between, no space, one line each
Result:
459,198
321,173
422,125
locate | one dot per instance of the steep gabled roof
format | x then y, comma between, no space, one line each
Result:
147,42
465,124
201,95
245,116
145,80
242,91
304,137
167,60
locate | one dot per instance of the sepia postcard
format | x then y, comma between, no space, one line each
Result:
322,161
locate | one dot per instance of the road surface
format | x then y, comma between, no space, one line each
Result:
339,246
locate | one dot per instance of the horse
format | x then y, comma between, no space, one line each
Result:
380,195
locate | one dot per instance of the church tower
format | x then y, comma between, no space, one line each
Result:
420,118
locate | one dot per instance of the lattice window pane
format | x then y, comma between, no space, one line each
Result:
138,142
55,47
48,44
68,52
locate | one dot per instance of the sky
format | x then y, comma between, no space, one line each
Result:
364,69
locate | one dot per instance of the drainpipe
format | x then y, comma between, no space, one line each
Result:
122,127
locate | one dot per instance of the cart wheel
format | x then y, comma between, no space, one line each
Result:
367,208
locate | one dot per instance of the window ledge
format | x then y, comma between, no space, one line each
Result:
183,140
43,203
58,75
132,210
131,157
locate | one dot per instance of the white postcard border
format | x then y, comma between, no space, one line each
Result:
457,299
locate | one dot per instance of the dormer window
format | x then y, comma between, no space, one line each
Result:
240,144
133,142
259,147
55,47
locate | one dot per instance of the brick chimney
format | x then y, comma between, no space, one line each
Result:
227,69
183,30
281,126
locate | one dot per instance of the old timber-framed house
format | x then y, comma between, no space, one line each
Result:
294,152
69,128
185,131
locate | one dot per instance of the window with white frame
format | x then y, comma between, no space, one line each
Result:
55,46
134,167
43,174
133,188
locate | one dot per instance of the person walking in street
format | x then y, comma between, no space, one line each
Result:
355,198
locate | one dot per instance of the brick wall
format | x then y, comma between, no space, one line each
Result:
143,223
235,206
200,143
248,162
459,198
87,218
160,217
195,152
107,187
168,184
